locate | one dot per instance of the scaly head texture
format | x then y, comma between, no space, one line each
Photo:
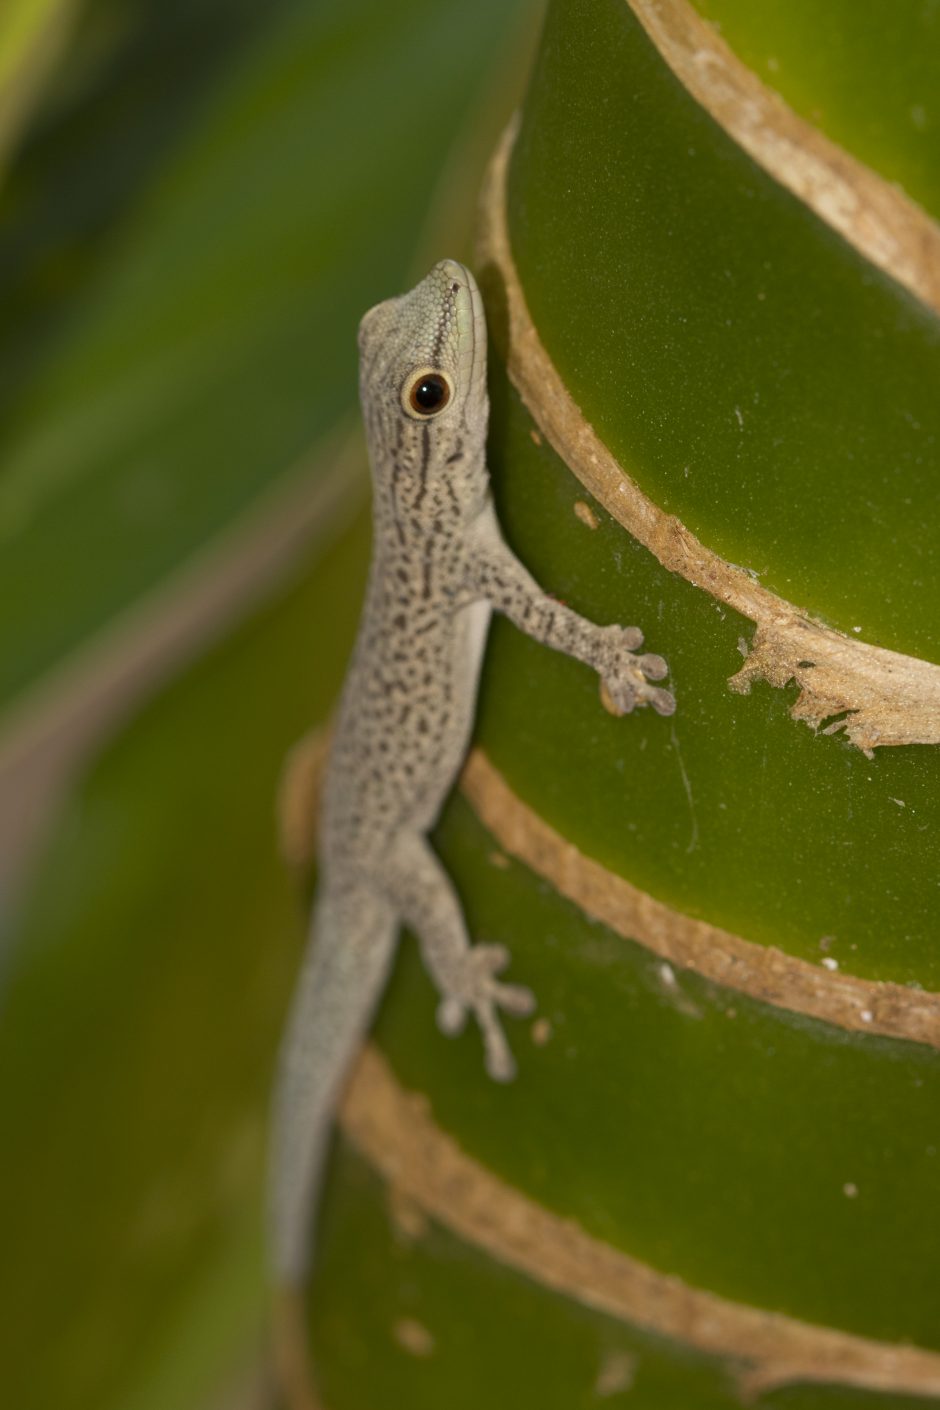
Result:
422,382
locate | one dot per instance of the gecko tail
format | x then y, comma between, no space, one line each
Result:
349,954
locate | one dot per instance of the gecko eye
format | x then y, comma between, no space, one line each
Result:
426,393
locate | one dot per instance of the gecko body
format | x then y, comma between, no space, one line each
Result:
439,567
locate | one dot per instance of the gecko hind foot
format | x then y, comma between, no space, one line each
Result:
477,989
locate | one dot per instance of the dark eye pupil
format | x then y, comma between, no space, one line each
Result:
429,393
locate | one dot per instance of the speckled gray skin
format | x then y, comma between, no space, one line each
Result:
439,566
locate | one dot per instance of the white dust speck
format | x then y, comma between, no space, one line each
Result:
830,964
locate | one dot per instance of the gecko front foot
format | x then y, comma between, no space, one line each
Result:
625,677
475,987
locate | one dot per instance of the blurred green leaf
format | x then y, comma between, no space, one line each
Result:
31,35
191,259
140,1023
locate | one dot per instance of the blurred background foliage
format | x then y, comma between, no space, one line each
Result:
199,199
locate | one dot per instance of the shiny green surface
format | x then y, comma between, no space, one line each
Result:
750,370
497,1339
862,71
183,267
729,811
139,1026
706,1134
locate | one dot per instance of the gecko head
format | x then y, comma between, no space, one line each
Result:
422,365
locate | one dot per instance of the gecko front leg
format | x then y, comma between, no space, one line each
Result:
497,575
465,973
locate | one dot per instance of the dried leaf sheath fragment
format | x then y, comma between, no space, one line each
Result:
891,699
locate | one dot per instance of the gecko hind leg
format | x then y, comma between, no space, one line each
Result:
465,974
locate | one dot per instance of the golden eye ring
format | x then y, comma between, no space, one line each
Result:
426,393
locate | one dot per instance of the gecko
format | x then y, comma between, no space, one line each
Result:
439,567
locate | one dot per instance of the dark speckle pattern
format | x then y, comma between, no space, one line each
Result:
439,566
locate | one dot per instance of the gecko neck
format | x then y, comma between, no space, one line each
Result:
409,500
